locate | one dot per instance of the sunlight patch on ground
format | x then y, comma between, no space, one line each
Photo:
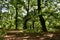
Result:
49,35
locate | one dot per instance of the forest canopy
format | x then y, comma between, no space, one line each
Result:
36,15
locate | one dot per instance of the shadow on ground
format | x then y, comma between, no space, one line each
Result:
32,36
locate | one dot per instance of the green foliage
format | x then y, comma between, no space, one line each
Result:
1,38
49,10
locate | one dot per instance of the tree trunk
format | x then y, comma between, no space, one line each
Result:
16,21
26,17
33,24
41,17
25,26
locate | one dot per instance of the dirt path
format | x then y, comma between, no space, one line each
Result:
33,36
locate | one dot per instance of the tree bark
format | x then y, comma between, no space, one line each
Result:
26,17
41,17
33,24
16,21
25,22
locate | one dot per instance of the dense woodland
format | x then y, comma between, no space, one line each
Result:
34,16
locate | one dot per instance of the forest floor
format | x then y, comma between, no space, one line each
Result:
32,36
